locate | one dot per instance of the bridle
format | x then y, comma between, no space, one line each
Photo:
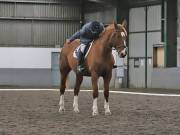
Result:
124,42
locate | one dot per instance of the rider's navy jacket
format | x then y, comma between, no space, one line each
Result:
86,34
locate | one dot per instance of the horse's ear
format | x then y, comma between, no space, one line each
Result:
115,25
124,24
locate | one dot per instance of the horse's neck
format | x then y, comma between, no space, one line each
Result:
106,47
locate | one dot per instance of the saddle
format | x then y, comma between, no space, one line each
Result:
86,52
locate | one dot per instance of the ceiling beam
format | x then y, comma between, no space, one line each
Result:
98,1
104,2
143,2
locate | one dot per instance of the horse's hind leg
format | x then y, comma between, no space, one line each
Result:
107,79
64,74
79,79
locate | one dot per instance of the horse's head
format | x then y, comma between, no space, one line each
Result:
118,38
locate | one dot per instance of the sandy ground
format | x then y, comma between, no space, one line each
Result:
36,113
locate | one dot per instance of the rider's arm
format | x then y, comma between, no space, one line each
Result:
75,36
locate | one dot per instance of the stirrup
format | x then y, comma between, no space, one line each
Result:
80,68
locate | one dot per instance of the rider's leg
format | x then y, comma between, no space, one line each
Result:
81,57
82,47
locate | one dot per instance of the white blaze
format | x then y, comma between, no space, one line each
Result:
124,43
123,34
123,51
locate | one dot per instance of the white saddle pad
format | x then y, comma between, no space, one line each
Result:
86,53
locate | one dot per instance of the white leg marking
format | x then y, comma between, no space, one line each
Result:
106,107
75,104
61,104
95,108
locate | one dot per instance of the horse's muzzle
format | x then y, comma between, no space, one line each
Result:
123,53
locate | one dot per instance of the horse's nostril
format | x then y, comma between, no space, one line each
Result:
122,55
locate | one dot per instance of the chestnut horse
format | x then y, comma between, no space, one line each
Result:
99,62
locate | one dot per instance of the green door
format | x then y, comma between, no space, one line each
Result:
55,69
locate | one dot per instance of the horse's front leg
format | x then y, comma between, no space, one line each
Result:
64,74
79,79
61,100
107,80
95,93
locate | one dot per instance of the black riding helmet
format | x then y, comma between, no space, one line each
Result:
95,26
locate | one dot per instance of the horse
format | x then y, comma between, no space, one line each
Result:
98,63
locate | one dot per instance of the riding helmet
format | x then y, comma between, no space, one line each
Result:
95,26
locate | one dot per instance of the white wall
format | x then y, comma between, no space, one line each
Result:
26,57
178,33
178,55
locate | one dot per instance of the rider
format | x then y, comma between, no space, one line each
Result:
89,32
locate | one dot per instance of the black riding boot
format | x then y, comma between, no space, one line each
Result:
80,67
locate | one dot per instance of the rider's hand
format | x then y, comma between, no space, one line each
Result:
68,41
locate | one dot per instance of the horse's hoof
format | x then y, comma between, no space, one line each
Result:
95,113
76,110
61,110
107,113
